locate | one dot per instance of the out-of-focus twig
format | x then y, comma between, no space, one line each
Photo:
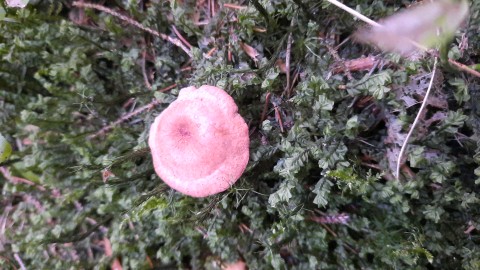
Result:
371,22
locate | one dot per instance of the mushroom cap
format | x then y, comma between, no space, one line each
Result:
200,144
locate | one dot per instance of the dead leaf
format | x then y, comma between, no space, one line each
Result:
414,92
419,24
259,29
107,174
281,66
359,64
436,117
250,51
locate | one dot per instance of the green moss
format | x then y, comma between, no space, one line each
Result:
66,74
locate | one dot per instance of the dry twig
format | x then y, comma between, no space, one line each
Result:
465,68
131,21
265,107
124,118
144,71
127,116
233,6
179,35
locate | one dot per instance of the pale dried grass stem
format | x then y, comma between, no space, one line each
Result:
19,261
417,119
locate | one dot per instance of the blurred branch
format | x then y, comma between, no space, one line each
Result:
371,22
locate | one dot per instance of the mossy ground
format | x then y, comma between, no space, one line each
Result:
79,89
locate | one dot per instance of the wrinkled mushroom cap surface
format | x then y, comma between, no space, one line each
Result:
200,143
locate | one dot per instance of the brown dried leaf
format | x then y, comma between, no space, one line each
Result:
107,174
281,66
359,64
250,51
415,91
436,117
259,29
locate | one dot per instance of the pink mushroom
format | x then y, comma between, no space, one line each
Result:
200,143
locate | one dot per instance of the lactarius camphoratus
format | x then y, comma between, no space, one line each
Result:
200,144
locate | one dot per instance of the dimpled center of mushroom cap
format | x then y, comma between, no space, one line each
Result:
192,144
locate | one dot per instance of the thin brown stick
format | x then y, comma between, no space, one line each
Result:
127,116
278,117
350,248
185,69
373,166
168,88
464,67
124,118
179,35
329,230
149,261
144,71
265,107
362,63
233,6
295,78
210,53
131,21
